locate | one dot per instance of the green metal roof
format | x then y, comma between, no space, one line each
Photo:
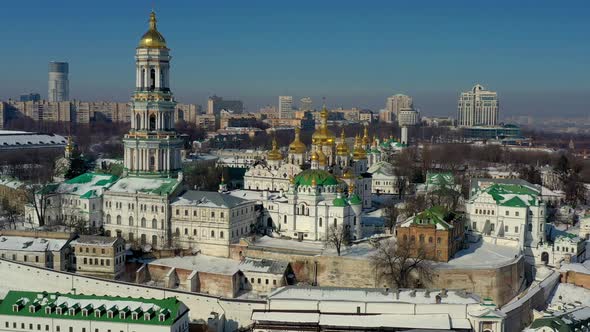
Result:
513,195
355,200
340,201
86,185
171,306
436,215
322,178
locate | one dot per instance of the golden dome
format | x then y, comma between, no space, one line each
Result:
322,158
342,148
274,154
323,136
314,156
152,38
366,140
359,153
297,146
348,174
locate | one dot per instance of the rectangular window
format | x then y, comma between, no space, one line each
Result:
474,225
515,229
493,227
516,213
507,212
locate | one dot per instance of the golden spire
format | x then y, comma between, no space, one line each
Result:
314,156
69,145
323,136
274,154
152,38
366,136
342,147
351,189
297,146
359,152
314,182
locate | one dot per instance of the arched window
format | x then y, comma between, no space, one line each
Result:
138,121
530,227
108,218
142,222
186,231
152,79
154,223
285,219
430,239
221,235
194,232
130,221
421,238
118,220
152,122
177,231
212,233
405,238
335,222
438,240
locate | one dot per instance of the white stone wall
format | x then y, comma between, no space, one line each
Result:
137,213
17,276
211,229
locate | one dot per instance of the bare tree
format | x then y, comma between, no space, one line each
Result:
38,196
338,236
402,264
9,214
390,214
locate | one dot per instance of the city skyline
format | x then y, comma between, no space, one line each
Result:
529,53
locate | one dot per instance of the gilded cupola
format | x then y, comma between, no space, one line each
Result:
275,153
152,38
323,136
297,146
342,148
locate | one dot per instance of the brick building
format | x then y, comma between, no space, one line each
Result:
438,231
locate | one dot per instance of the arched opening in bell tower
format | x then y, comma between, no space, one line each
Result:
152,165
152,122
138,121
152,79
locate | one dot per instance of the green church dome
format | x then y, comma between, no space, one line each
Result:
320,177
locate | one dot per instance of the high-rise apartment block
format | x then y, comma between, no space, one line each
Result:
393,105
478,107
408,117
285,107
30,97
216,104
305,104
59,84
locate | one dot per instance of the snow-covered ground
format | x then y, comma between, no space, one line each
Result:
568,293
483,254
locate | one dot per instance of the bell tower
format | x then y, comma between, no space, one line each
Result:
152,146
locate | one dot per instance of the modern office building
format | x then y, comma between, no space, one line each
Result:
285,107
216,104
393,105
30,97
477,107
59,84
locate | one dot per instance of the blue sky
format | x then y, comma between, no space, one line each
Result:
356,53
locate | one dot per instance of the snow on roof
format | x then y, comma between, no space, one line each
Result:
263,266
430,321
483,254
313,246
292,317
11,183
152,186
15,139
569,293
201,263
95,240
209,199
576,267
87,185
31,244
375,295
